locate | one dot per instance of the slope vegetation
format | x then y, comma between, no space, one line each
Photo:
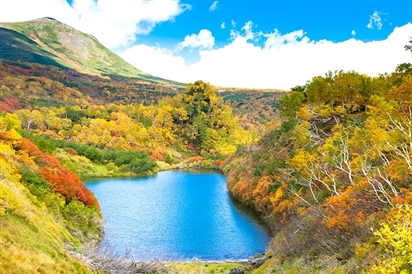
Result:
45,210
16,46
335,178
332,176
68,46
49,42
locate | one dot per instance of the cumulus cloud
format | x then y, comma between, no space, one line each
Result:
353,33
250,59
23,10
204,40
223,25
375,21
156,61
213,6
282,61
114,22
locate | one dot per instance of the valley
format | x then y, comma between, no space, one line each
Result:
326,165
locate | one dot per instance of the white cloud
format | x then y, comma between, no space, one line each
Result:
233,22
156,61
204,40
114,22
375,21
277,61
23,10
213,6
223,25
283,61
353,33
247,28
277,41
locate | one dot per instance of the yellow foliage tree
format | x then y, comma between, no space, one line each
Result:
395,239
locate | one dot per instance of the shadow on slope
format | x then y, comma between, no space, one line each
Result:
17,47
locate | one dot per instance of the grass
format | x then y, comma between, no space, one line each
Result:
83,167
87,56
33,237
31,241
267,267
27,250
201,267
24,49
99,59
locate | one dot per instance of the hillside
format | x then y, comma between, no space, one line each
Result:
49,42
44,150
32,85
334,179
45,210
328,165
32,50
62,43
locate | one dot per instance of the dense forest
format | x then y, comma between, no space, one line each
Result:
334,178
327,165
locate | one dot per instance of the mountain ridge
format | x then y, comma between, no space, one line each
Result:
50,42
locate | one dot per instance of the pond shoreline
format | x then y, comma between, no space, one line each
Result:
234,266
92,257
217,245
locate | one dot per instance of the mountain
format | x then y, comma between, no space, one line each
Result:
33,48
89,67
50,42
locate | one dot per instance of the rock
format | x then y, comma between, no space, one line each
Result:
256,262
237,270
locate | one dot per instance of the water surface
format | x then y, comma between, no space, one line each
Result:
177,216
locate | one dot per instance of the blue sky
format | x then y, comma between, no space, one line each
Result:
265,44
332,20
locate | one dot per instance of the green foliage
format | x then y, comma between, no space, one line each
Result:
146,122
44,143
74,114
207,122
37,185
28,49
338,161
394,237
135,161
290,104
169,159
83,166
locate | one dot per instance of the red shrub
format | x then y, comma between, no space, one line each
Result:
9,104
63,181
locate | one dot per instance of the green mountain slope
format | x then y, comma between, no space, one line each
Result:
51,39
16,46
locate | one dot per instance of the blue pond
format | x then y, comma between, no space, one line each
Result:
177,216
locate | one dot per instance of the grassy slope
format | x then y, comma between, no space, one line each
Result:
68,47
201,267
31,240
72,48
16,46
